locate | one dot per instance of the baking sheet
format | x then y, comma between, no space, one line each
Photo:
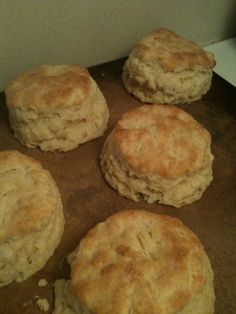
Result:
87,199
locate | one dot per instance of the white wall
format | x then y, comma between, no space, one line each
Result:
89,32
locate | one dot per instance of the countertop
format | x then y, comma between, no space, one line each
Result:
225,54
87,199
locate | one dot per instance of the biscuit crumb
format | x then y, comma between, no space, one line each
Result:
43,304
42,282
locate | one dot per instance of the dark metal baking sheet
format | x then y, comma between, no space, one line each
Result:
88,199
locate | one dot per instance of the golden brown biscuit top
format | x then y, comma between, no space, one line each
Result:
162,140
172,52
49,86
27,196
138,262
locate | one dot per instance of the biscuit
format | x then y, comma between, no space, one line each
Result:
31,217
138,262
56,107
165,68
158,153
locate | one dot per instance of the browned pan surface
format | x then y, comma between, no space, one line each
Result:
88,199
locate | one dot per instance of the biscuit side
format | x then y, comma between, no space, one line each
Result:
31,215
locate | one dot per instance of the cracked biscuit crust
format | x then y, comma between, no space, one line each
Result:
172,52
140,262
31,217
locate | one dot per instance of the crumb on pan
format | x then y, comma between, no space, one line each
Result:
43,304
42,282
